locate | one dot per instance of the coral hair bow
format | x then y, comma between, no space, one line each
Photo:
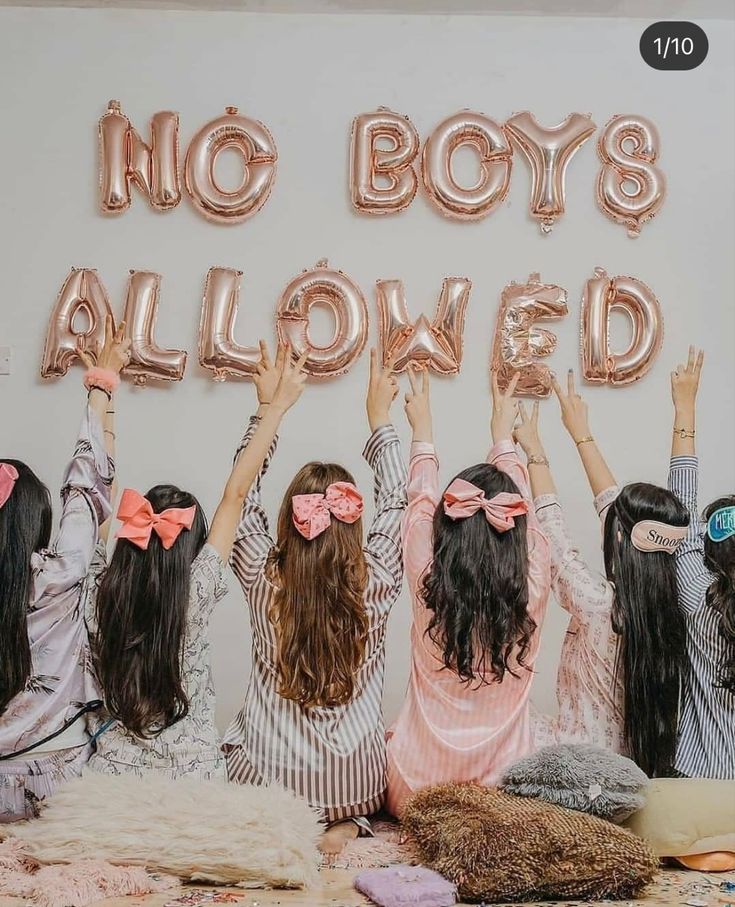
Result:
312,513
139,520
463,499
8,478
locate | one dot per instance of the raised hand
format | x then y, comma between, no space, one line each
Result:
291,379
268,373
505,409
685,381
382,391
418,405
526,431
574,414
114,353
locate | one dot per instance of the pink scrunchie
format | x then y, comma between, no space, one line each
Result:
101,377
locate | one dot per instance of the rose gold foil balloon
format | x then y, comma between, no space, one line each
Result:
437,344
147,359
518,343
601,296
83,292
218,350
126,158
495,157
258,151
323,285
628,147
548,152
383,181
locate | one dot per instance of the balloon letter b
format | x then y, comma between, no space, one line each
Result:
370,164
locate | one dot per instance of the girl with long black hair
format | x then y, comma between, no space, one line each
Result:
46,685
150,614
477,565
623,660
705,564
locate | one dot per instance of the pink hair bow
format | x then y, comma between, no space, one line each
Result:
139,519
463,499
312,513
8,478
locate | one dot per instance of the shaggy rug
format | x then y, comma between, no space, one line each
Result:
498,847
73,884
211,831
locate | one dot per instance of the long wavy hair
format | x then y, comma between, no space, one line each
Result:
25,527
719,558
141,609
318,609
652,659
477,589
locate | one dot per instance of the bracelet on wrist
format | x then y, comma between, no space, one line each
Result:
537,460
684,433
102,390
585,440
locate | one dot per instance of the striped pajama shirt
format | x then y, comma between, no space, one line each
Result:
707,720
333,757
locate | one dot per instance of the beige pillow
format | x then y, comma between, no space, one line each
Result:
687,816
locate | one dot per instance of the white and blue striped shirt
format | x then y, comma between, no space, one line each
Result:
707,721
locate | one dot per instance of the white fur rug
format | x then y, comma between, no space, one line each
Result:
257,837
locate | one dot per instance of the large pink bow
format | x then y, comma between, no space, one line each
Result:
139,519
463,499
312,513
8,478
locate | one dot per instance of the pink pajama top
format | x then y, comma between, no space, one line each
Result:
448,730
589,695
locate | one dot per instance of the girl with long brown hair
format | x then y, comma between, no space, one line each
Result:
319,600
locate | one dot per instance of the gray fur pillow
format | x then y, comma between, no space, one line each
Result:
582,777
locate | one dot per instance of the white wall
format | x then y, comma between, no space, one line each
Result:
306,77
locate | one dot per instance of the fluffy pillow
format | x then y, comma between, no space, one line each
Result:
204,830
406,886
497,847
587,778
685,816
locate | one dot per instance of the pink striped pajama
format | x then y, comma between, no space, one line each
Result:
333,757
448,730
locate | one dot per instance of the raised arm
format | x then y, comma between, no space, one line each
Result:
423,480
87,485
503,453
575,418
578,589
250,460
383,453
694,577
684,387
102,384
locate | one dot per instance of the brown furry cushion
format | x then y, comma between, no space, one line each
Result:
498,847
